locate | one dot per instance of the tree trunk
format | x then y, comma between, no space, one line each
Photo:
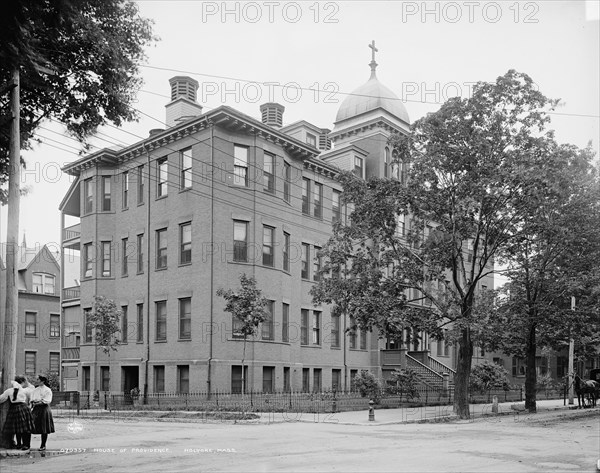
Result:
463,371
530,373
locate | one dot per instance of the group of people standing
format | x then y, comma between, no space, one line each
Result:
29,411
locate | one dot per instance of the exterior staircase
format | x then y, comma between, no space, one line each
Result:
430,376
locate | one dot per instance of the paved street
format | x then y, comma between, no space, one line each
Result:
555,439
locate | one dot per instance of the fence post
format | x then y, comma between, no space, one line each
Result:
105,401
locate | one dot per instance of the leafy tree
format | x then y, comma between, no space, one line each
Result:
473,164
78,62
555,258
104,320
248,307
486,376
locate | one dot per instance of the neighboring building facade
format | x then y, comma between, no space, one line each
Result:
164,223
39,324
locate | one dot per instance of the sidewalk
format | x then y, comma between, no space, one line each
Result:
415,414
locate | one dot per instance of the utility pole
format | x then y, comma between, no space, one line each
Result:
571,356
9,324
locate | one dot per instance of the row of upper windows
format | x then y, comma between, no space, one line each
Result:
32,325
31,368
240,178
133,251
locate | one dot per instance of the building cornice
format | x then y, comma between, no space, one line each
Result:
224,116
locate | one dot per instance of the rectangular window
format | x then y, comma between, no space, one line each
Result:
185,157
317,264
386,162
335,331
268,379
305,196
185,319
287,181
185,245
518,366
236,327
124,324
352,333
305,380
85,378
161,320
140,322
286,252
237,382
353,374
336,210
287,385
336,380
105,258
88,189
285,322
162,177
88,258
161,248
240,165
183,379
88,326
311,140
38,284
140,253
268,172
400,225
304,327
304,259
358,167
30,324
316,328
267,324
318,200
30,363
124,259
125,186
268,250
54,325
106,193
104,378
317,379
140,184
159,379
240,241
363,339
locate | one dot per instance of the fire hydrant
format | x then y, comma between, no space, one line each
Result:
371,411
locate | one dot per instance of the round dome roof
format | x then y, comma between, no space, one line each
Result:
370,96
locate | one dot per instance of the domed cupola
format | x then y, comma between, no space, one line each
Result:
371,96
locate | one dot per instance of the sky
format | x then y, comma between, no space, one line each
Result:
307,55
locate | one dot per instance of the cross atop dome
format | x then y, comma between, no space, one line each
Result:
373,64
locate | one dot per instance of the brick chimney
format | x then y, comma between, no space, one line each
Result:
183,105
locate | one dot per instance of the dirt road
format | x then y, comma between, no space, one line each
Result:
543,443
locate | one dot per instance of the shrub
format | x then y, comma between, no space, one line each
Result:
486,376
368,385
404,382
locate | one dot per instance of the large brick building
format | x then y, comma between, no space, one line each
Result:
166,222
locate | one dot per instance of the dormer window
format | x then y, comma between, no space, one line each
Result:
43,283
311,140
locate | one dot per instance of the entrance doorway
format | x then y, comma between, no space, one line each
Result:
130,376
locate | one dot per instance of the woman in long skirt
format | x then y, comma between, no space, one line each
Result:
18,420
43,423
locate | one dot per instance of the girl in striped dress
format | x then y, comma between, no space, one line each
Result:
41,397
18,420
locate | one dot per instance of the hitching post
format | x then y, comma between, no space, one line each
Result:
371,411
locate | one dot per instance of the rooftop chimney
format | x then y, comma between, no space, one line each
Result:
183,105
272,114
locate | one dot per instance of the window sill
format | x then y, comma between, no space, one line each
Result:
311,346
124,209
162,197
180,265
161,269
184,339
139,204
185,189
160,341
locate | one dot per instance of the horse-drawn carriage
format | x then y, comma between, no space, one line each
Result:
588,391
